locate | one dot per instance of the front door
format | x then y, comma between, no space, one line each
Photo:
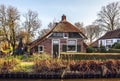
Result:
55,48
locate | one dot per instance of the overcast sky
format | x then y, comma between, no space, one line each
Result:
75,10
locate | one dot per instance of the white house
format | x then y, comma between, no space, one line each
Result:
109,38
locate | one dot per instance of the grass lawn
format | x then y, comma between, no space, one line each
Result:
23,67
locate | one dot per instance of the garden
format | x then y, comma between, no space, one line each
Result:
43,64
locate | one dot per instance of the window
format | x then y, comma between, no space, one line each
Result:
55,41
40,48
118,40
57,34
74,35
71,45
109,43
66,35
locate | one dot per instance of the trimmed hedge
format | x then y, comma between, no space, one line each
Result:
89,50
114,51
90,56
116,45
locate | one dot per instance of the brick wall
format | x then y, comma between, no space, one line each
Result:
47,43
47,46
80,42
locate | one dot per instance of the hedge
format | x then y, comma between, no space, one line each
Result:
90,56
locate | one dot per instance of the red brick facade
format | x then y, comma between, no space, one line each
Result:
47,45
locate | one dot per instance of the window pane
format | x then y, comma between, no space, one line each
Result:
40,48
118,40
65,34
55,42
109,42
71,45
71,42
71,48
58,34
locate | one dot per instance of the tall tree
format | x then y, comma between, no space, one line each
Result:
92,32
9,17
109,16
3,20
31,24
13,16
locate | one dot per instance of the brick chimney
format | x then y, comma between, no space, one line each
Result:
63,18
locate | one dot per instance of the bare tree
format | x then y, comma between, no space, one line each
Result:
13,16
80,26
43,32
31,24
8,21
92,32
3,20
51,25
109,16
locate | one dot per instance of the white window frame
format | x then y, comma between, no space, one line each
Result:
75,45
109,42
39,48
65,36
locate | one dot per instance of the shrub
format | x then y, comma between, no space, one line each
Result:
111,66
116,45
103,49
114,50
42,56
53,65
23,67
89,50
7,65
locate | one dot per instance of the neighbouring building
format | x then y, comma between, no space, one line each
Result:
108,39
64,37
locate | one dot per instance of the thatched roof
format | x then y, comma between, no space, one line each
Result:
63,26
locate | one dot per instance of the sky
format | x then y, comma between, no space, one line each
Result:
84,11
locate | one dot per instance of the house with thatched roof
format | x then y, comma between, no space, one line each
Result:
64,37
108,39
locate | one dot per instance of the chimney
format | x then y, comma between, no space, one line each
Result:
63,18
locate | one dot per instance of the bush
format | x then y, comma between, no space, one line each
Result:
89,50
116,45
92,66
53,65
7,65
114,50
103,49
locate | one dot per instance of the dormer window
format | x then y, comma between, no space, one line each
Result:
57,34
66,35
